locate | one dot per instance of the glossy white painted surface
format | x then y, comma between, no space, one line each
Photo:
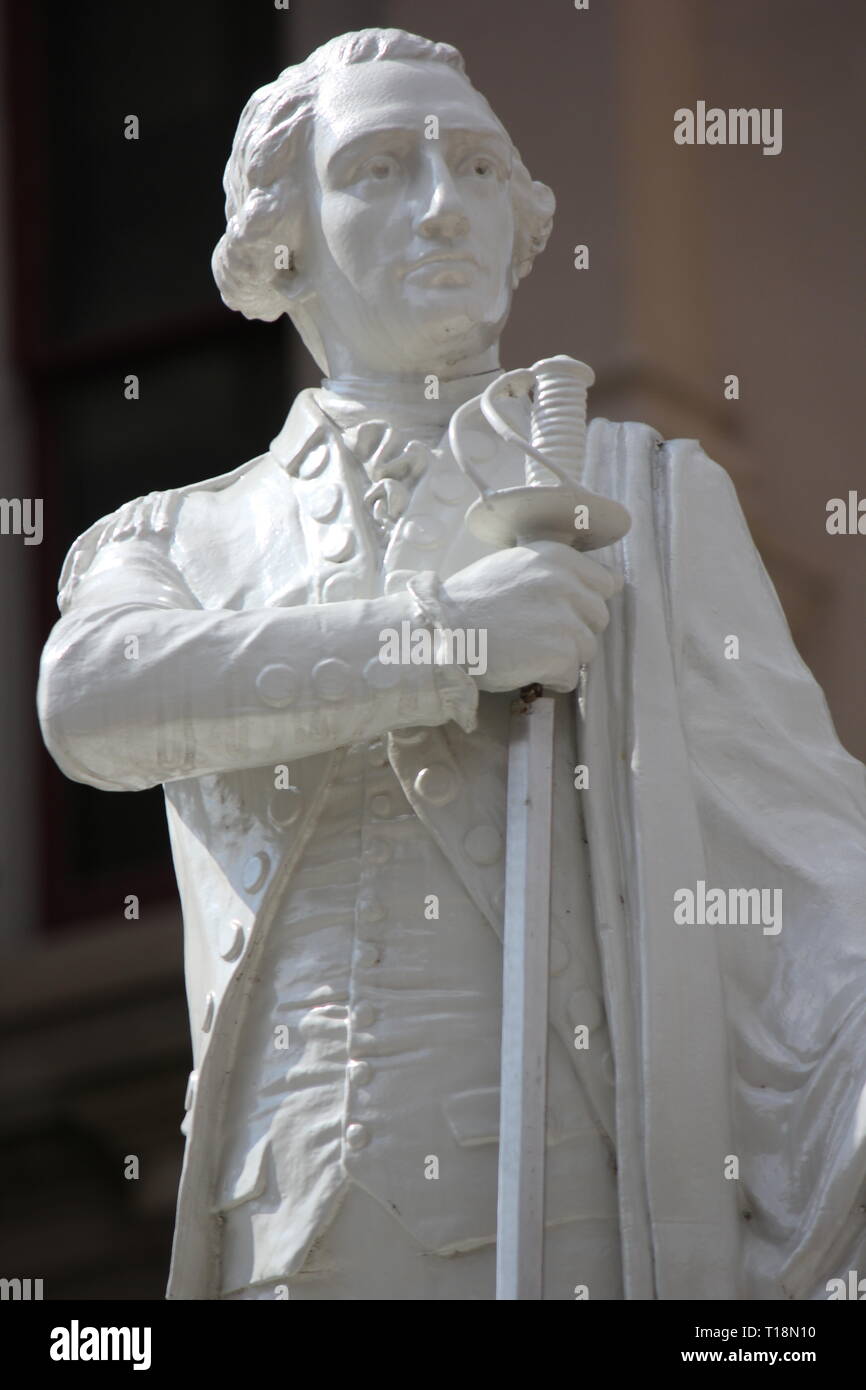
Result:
257,599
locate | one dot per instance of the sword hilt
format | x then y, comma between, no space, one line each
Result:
539,510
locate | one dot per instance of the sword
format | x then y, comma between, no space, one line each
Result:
565,511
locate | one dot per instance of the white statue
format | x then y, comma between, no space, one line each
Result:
337,821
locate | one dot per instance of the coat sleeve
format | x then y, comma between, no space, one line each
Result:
140,685
782,807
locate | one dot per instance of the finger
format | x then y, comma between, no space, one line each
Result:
606,581
588,607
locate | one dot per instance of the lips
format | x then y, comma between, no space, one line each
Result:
443,262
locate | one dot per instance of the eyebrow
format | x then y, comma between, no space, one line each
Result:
344,154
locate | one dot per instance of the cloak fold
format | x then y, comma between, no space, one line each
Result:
729,1042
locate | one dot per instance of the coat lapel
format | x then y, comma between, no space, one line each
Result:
341,548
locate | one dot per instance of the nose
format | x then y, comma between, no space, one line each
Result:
442,213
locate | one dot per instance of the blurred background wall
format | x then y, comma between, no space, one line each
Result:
703,262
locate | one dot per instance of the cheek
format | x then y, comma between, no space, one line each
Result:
354,232
494,219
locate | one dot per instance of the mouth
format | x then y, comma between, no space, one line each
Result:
447,267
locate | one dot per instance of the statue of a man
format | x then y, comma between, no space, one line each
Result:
337,821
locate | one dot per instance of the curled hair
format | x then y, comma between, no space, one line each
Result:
265,198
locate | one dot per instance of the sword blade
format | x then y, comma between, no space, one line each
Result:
526,949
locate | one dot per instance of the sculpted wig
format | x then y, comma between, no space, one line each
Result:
264,185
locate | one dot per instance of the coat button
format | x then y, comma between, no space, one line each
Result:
436,784
324,501
360,1072
331,678
313,463
381,675
207,1020
231,940
585,1007
255,871
192,1083
337,544
339,587
285,806
363,1015
276,684
381,805
483,844
357,1136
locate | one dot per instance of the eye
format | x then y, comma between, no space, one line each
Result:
480,167
380,167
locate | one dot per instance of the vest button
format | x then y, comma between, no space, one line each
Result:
363,1015
357,1136
559,955
371,910
369,954
450,487
479,447
423,531
378,851
360,1072
285,806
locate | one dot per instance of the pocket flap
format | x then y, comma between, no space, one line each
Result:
250,1181
473,1118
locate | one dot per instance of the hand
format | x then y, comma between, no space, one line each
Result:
541,605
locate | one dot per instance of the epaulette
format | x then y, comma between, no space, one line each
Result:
154,514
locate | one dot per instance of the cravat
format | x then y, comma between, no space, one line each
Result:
393,460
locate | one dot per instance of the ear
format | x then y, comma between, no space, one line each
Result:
291,283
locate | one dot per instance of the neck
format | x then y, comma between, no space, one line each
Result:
406,400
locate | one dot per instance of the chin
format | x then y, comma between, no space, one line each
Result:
472,326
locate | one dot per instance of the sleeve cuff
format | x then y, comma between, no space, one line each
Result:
457,691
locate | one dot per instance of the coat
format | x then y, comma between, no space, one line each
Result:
739,1057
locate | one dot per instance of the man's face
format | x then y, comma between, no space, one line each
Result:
410,255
